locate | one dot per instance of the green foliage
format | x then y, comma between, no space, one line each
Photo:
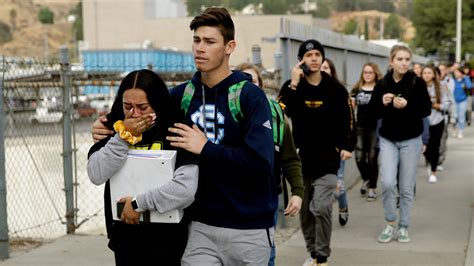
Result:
351,26
344,5
5,33
435,23
77,27
46,16
355,5
274,6
269,6
393,29
323,11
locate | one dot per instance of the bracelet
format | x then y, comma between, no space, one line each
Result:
119,127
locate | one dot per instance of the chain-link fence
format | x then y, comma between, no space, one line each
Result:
33,147
49,108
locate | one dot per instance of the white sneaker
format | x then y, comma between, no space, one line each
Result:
432,179
403,236
455,133
310,262
439,168
460,136
387,234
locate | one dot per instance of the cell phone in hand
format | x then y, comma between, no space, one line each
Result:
120,206
305,69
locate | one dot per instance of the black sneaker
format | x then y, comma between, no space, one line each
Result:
364,187
343,217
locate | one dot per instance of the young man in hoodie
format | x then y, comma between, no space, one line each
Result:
233,212
320,111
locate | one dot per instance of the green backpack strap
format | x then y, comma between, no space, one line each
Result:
234,100
278,123
187,97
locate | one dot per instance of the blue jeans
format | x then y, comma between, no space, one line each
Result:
461,108
279,211
398,157
342,200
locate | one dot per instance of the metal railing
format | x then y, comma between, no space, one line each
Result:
348,53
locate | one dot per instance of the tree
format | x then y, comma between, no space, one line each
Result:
5,33
435,24
323,9
344,5
393,29
366,29
13,19
351,26
46,16
77,27
274,6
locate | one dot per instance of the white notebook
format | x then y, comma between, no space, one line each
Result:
144,170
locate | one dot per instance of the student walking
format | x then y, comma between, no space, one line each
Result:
321,115
232,222
232,217
401,101
366,148
449,115
439,104
462,89
141,116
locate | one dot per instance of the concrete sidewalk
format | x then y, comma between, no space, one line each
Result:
440,231
442,220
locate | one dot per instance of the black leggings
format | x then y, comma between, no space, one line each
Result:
366,155
432,149
148,244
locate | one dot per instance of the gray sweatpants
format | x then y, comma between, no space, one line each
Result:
316,213
210,245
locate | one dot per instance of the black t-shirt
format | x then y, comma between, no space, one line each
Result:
362,99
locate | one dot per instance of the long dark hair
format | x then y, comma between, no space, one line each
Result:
436,83
157,95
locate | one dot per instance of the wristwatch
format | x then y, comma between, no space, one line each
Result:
135,205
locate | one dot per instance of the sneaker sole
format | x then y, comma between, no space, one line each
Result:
404,240
384,241
371,199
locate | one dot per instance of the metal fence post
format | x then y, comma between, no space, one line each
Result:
256,55
278,62
4,252
67,138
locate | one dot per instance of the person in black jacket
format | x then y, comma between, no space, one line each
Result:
320,110
401,101
141,116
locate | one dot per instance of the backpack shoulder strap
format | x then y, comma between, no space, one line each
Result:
187,97
234,100
278,124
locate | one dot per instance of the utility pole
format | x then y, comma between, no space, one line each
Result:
458,30
4,240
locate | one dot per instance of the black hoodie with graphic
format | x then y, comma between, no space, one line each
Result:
323,123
